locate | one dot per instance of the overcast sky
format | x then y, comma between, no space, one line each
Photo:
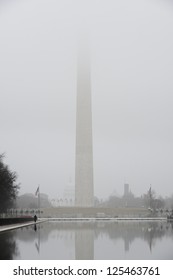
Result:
131,46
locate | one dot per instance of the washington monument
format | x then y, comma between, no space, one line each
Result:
84,190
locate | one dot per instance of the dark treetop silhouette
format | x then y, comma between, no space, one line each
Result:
8,186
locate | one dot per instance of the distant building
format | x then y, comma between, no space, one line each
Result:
69,195
30,201
44,200
128,197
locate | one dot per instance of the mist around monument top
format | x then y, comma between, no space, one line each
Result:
131,82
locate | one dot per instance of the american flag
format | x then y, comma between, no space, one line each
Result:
37,191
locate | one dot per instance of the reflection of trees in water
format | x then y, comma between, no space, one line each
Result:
121,229
83,234
45,231
126,230
156,232
129,231
8,248
77,232
30,233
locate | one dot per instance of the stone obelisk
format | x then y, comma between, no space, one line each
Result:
84,196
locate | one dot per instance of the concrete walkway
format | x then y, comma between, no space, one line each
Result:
16,226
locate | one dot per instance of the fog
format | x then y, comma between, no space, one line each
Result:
131,45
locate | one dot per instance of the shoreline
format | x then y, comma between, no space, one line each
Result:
4,228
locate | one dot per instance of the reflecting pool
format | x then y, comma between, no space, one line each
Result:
89,240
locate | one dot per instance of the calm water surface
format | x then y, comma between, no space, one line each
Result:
89,240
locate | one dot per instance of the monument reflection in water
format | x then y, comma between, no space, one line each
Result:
89,240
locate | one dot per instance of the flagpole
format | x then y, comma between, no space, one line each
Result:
37,193
39,201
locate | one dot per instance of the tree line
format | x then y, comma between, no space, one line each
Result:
8,186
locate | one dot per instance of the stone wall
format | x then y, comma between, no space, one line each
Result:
87,212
